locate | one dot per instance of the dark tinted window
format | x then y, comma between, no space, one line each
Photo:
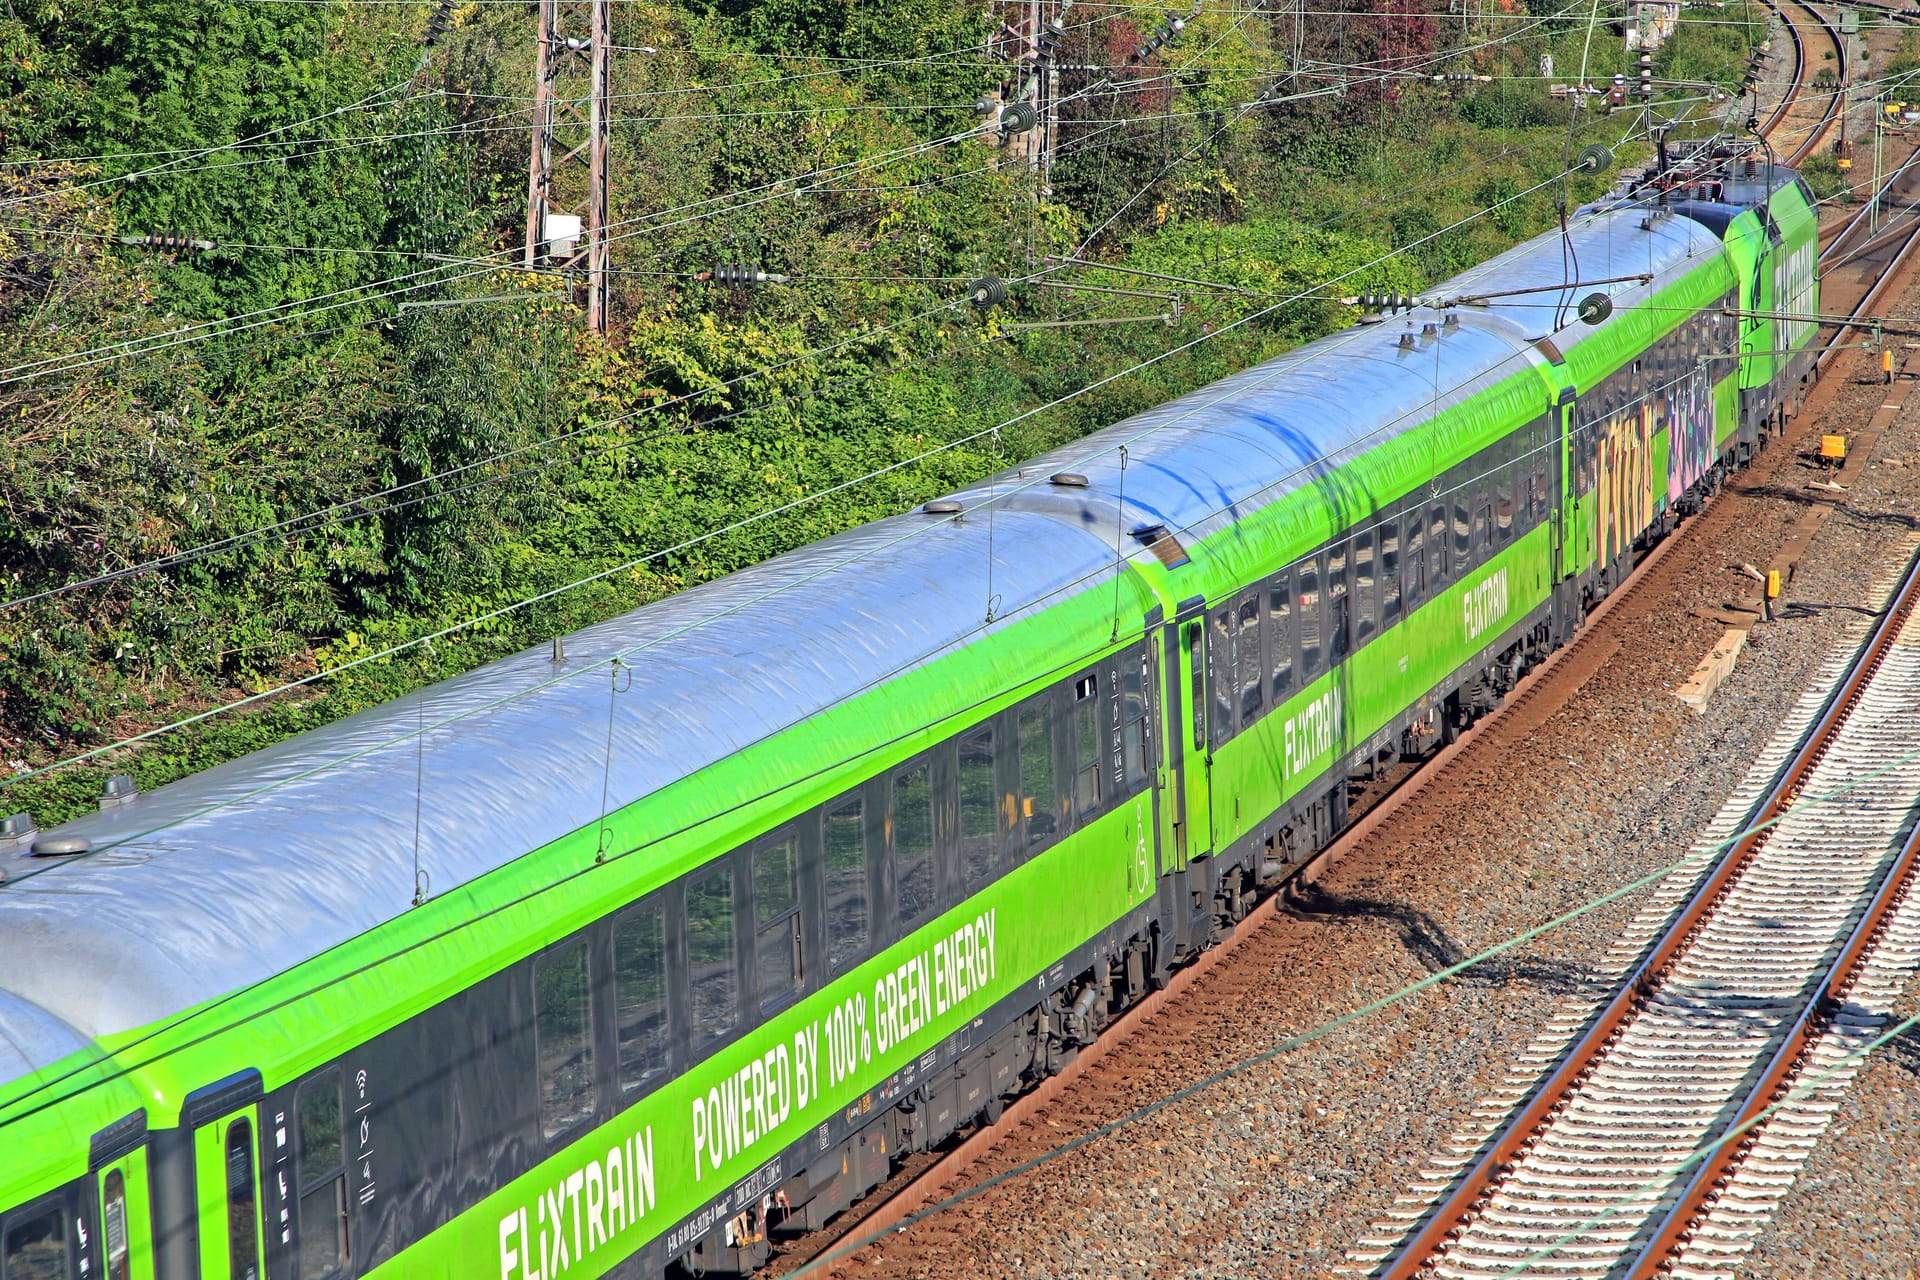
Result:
776,919
243,1231
1250,668
1220,674
1280,634
114,1204
1462,531
640,994
1503,507
563,1009
1436,547
37,1247
1365,589
1389,573
1415,573
1338,618
1543,476
1086,745
1133,720
913,841
1039,802
716,998
1191,644
323,1178
979,808
1307,593
844,832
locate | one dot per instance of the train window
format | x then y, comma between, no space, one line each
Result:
913,877
1389,573
1086,745
1503,507
1416,557
1307,584
640,994
243,1231
979,809
1133,720
113,1198
710,955
1537,500
1437,546
1196,667
1336,614
1482,527
844,832
563,1036
1039,800
1280,634
1462,532
776,919
37,1247
1365,587
1249,666
323,1178
1220,673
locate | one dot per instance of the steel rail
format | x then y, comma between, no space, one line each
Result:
1517,1138
1802,81
1787,100
1716,1171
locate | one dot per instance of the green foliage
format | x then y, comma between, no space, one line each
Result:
1712,53
1823,176
514,456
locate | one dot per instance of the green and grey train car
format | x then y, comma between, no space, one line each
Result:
616,959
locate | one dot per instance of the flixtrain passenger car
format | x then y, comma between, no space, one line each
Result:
617,958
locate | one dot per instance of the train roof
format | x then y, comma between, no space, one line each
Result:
1203,460
1603,245
247,869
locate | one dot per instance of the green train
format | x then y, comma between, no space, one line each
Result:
626,957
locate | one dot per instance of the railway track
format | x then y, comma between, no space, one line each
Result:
1595,1174
1807,113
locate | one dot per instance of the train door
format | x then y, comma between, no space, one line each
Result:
119,1170
1557,486
1161,742
226,1179
1186,736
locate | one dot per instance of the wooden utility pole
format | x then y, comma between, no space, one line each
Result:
567,217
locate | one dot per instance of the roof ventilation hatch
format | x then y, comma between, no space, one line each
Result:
120,789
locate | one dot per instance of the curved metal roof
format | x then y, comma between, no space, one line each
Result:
1605,245
249,868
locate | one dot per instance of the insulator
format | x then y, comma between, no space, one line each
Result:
1018,117
1385,302
1595,307
1594,159
741,276
987,291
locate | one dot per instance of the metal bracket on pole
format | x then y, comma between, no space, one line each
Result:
566,217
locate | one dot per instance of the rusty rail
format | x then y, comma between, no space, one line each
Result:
1716,1171
1477,1185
